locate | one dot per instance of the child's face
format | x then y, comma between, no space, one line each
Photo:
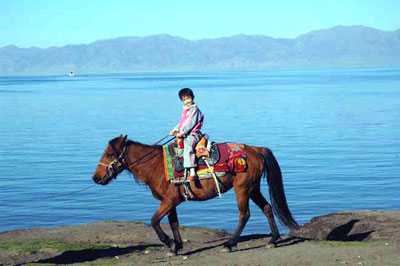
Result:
187,100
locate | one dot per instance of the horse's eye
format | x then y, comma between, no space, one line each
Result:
109,156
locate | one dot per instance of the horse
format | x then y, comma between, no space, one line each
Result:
145,163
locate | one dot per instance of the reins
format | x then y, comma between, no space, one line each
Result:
163,139
139,159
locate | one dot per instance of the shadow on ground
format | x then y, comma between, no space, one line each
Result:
342,233
288,241
85,255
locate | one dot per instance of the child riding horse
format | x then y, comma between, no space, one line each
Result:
145,162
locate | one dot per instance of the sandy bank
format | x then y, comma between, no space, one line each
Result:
367,238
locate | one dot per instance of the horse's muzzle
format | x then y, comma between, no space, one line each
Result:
102,181
96,179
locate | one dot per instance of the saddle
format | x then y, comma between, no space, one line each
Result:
221,158
205,150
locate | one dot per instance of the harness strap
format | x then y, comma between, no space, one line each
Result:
137,160
121,160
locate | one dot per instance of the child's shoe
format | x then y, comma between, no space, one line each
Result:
192,175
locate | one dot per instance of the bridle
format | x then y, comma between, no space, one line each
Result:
111,167
121,162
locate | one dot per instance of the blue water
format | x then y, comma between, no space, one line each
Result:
335,133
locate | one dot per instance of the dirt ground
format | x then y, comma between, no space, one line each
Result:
132,243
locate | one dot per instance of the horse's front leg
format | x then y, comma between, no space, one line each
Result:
164,208
173,222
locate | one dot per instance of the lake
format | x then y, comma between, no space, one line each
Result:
334,132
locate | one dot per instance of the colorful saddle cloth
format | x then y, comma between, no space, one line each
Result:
176,152
224,157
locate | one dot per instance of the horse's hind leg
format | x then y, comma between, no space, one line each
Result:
242,198
265,207
173,222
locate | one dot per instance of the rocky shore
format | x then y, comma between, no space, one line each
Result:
345,238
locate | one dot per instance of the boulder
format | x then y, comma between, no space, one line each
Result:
369,226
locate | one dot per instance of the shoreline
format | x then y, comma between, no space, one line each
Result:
373,238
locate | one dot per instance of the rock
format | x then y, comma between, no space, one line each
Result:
370,226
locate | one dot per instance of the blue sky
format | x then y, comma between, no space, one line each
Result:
45,23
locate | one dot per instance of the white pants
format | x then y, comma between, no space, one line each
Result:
189,154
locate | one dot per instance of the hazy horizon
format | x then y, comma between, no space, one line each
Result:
47,23
237,34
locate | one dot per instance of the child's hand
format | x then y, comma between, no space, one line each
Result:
172,132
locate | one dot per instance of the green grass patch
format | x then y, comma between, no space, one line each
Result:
348,244
151,248
34,245
100,262
40,264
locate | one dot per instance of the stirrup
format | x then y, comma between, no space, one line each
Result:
178,181
186,192
191,178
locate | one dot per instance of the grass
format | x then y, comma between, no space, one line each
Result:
153,248
40,264
102,262
34,245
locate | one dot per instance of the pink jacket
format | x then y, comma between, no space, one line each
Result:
191,120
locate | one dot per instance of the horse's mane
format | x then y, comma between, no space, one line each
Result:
137,180
129,142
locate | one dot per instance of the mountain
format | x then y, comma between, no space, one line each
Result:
339,46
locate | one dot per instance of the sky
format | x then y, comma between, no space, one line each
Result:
46,23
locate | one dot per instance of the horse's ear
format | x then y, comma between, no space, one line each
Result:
126,136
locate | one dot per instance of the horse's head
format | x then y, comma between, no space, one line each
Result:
111,162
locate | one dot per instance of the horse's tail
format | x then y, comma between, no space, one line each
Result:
276,192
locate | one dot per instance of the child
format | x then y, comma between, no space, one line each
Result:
189,129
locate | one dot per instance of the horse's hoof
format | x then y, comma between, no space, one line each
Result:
229,249
234,248
171,254
225,250
272,245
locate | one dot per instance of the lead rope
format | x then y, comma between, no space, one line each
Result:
45,198
78,191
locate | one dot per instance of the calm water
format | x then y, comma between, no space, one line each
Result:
335,133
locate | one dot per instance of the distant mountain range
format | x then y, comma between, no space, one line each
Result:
340,46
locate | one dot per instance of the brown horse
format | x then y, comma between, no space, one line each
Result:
145,162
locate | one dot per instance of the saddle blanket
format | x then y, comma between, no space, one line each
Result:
232,159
